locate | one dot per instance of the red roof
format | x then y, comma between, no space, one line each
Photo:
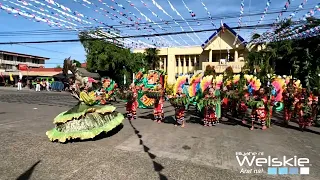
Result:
23,55
45,69
83,65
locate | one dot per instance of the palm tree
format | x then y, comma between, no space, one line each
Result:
152,58
255,46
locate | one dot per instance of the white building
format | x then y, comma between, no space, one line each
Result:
11,62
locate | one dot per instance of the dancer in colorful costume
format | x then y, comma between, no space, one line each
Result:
87,119
305,109
180,110
258,103
132,103
158,112
210,118
289,103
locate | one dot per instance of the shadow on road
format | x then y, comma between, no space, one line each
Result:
156,166
27,174
100,136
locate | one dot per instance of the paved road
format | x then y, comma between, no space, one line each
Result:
141,149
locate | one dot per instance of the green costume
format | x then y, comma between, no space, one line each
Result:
84,121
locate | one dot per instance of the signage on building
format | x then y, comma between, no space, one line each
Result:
235,67
23,67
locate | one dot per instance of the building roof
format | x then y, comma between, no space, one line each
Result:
43,69
83,65
208,41
23,55
86,73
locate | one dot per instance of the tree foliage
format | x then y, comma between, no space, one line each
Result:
152,58
299,58
111,60
78,64
210,70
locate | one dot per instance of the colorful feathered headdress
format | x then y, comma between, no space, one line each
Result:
195,84
206,82
180,83
278,85
236,78
218,81
254,83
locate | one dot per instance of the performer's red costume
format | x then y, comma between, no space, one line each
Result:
132,105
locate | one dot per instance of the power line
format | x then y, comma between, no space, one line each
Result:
164,22
135,36
47,50
75,32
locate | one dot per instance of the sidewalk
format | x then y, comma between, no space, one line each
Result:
28,90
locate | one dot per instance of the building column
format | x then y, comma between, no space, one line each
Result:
210,55
165,64
195,62
236,55
189,68
160,62
184,65
179,66
171,70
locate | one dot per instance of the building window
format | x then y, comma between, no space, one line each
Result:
8,66
21,59
187,62
182,63
177,62
35,61
7,57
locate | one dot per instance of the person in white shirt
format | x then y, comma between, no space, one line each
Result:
48,85
19,85
38,85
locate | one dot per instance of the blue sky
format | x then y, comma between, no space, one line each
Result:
58,51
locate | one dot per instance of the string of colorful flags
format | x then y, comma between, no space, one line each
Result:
263,15
55,14
293,29
268,34
177,12
239,21
165,12
209,15
154,14
149,20
41,17
120,20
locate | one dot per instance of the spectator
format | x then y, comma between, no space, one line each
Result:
47,85
19,85
38,85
